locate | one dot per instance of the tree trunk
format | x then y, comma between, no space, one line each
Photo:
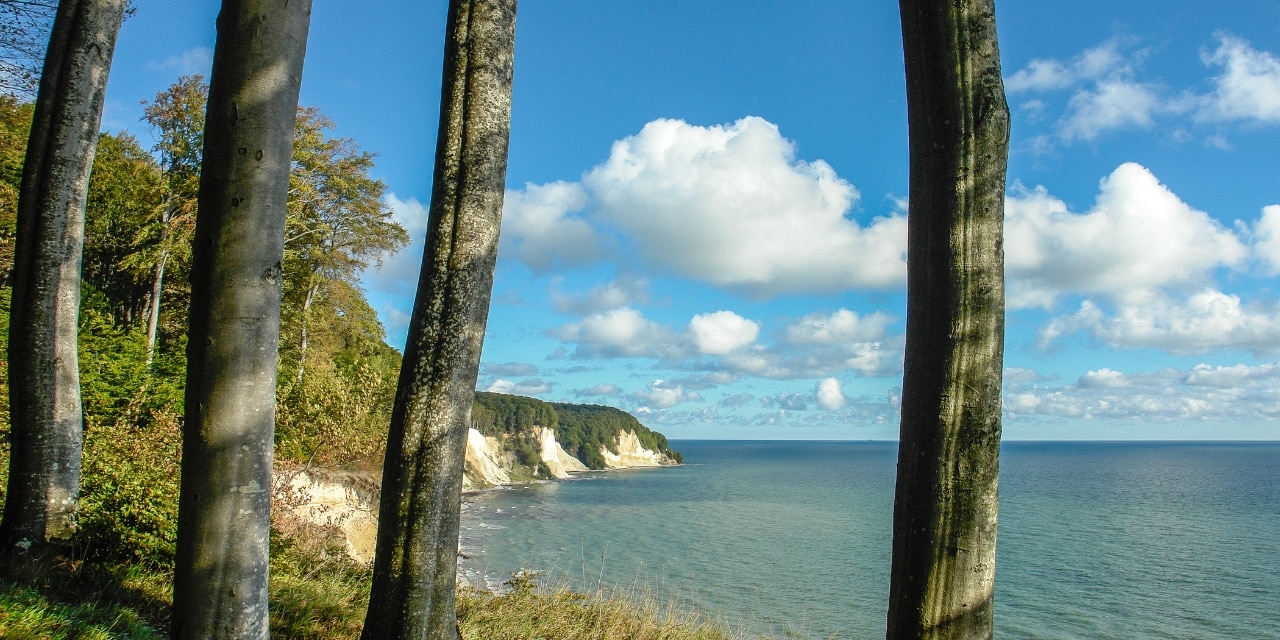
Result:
44,393
153,309
944,521
313,287
417,553
220,575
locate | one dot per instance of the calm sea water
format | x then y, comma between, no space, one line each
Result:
1097,540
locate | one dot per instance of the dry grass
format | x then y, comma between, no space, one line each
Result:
528,612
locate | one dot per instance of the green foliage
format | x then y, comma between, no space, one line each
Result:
129,492
587,427
338,408
125,190
335,415
498,414
582,430
15,128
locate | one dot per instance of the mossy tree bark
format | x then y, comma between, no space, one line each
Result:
417,552
944,523
44,389
220,576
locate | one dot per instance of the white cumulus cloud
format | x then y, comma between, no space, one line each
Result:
623,332
529,387
1047,75
538,228
722,332
732,206
1116,103
1202,322
1138,237
830,395
660,394
1266,239
840,327
1248,88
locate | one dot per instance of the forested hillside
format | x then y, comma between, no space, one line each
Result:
581,429
337,375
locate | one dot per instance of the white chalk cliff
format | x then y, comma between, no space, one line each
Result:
554,456
489,465
346,502
632,454
340,502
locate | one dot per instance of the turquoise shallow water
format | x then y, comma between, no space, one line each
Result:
1097,540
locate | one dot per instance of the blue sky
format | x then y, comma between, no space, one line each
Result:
704,221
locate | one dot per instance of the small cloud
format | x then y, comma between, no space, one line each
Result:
722,332
1102,378
514,369
621,292
662,395
830,395
190,62
621,332
786,401
1111,104
840,327
529,387
600,390
1248,87
1266,239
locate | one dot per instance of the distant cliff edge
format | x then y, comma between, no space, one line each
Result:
518,439
512,439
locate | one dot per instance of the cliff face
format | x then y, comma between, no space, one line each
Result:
633,454
331,502
490,464
558,461
487,463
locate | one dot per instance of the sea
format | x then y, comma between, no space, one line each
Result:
1132,540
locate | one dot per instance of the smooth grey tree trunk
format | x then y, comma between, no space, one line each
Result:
417,553
220,576
44,371
944,520
157,288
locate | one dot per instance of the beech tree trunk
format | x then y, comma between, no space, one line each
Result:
220,576
417,551
153,309
44,372
944,520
